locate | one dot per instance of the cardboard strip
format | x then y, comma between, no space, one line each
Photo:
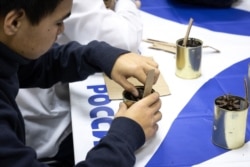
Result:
149,83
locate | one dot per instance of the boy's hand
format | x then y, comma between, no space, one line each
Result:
133,65
145,112
138,4
110,4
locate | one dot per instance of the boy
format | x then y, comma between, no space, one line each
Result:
121,28
28,29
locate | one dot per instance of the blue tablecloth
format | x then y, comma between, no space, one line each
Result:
190,134
216,19
188,141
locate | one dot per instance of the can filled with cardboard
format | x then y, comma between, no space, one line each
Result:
230,120
188,58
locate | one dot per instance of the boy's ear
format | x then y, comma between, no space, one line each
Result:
13,21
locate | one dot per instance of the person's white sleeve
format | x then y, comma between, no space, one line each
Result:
90,20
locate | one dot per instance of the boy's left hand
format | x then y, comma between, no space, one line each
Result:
133,65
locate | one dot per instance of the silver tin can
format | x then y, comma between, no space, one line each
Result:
230,120
188,58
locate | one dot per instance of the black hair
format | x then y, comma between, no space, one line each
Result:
34,9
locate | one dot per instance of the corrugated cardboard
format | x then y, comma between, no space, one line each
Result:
115,90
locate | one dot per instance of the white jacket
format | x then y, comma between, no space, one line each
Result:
47,111
91,20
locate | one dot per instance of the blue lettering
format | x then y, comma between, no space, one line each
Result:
97,100
100,99
99,135
95,124
98,88
95,111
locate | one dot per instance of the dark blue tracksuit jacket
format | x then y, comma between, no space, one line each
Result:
67,63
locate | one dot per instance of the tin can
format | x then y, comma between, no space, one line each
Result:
188,58
130,99
230,120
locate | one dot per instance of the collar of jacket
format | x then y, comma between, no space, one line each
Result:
9,61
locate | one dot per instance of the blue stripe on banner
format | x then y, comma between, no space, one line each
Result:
188,141
226,20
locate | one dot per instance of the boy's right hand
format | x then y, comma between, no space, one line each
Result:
145,112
